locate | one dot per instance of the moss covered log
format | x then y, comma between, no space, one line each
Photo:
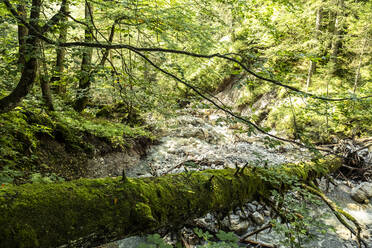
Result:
88,212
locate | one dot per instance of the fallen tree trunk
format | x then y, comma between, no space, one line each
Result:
89,212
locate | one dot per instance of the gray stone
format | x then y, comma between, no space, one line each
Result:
131,242
251,207
362,192
258,218
240,227
235,224
242,214
209,218
266,212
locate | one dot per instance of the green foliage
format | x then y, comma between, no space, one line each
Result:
38,178
25,133
7,175
18,137
115,132
154,241
317,121
223,240
300,225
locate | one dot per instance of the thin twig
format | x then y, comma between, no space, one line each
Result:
258,244
256,231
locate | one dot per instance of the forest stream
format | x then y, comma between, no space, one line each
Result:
186,124
204,139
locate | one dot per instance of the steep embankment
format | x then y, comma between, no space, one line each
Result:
294,115
39,146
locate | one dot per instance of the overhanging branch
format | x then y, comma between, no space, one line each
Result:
172,51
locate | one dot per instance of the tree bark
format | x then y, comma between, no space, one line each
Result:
60,55
47,94
89,212
312,66
22,34
29,71
44,83
107,51
85,78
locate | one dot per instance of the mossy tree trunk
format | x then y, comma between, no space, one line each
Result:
22,34
89,212
28,56
28,48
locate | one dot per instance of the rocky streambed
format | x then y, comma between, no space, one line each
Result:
206,139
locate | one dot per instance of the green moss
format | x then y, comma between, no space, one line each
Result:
44,215
144,214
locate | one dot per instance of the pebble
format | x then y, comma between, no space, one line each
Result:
266,212
251,207
258,218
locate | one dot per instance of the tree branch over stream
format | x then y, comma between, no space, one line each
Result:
216,55
171,51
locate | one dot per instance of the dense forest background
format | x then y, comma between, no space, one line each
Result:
80,79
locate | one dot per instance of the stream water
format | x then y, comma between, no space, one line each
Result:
206,139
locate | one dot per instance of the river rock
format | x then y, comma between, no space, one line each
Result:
362,192
258,218
131,242
240,227
242,214
267,212
235,224
251,207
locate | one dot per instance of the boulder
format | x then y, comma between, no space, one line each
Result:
258,218
362,193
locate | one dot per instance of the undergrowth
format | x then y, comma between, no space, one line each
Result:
26,131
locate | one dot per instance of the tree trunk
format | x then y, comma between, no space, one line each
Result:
357,74
85,77
312,66
29,71
60,56
47,94
89,212
337,39
44,83
108,51
22,35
